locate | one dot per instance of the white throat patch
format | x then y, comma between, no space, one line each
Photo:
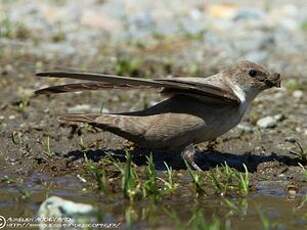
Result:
239,92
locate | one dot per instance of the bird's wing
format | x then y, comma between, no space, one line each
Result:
174,86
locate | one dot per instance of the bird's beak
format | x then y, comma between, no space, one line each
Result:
273,80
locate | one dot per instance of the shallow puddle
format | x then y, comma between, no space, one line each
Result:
267,208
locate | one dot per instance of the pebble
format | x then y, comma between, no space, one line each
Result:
246,128
8,68
269,121
298,94
79,108
12,117
57,207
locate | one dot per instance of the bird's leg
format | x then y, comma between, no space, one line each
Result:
188,155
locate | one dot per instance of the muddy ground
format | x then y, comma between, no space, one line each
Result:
40,156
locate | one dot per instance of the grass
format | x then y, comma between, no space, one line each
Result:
170,185
141,183
83,146
292,85
227,181
99,175
6,26
304,171
128,66
138,184
135,182
130,185
46,146
197,180
8,180
25,194
304,26
13,30
300,154
23,105
150,187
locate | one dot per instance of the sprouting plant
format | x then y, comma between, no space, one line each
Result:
46,146
219,182
301,204
243,181
82,145
131,185
292,85
23,104
301,154
169,184
127,66
101,107
304,170
99,174
196,180
24,193
6,26
150,187
226,180
8,180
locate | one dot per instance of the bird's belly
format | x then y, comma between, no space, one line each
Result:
187,129
217,127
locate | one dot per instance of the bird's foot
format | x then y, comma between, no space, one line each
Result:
188,155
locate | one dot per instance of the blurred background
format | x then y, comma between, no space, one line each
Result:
203,33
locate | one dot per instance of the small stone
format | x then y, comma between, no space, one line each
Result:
24,92
12,117
267,122
298,94
79,108
68,211
245,128
8,68
279,117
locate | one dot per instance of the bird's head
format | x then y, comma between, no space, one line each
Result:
249,79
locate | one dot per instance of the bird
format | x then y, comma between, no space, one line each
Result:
195,109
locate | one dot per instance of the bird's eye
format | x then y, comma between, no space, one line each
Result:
252,73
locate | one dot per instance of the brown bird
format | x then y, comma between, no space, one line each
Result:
196,109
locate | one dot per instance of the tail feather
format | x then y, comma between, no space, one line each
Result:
78,117
128,127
